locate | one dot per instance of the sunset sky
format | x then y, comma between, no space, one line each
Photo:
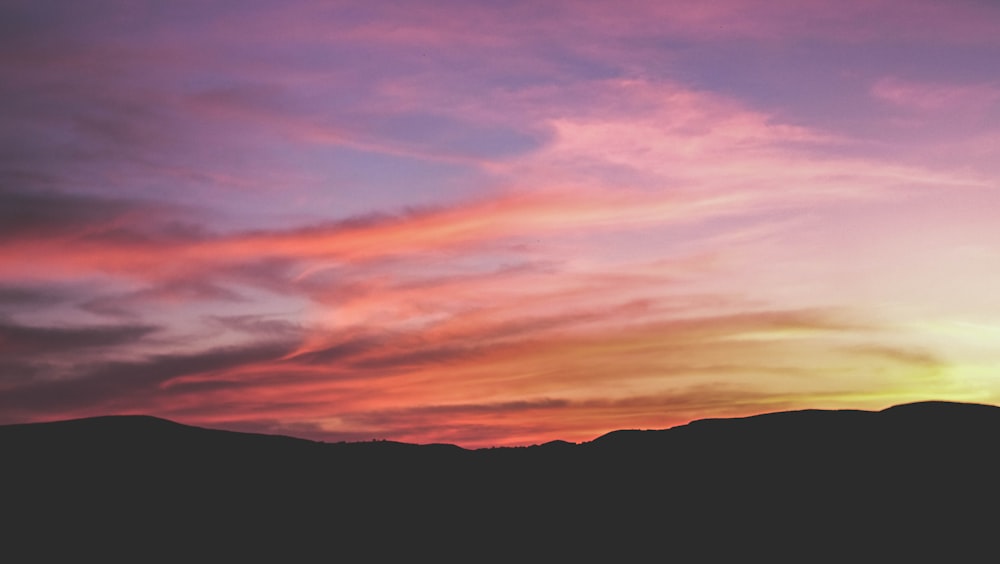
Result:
495,223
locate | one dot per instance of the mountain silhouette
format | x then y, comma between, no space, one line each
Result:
856,484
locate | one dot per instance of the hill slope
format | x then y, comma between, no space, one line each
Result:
769,484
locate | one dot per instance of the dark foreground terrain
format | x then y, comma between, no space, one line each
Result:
913,480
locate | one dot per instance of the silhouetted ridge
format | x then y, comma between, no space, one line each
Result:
797,481
801,423
944,409
135,435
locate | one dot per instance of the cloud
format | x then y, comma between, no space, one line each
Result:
420,231
100,388
337,219
480,28
38,355
19,297
761,20
258,325
477,392
26,341
169,291
936,97
59,215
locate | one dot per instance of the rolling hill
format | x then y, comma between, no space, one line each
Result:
909,479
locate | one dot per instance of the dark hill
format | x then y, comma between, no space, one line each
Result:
914,477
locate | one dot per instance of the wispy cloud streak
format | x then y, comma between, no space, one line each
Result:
493,225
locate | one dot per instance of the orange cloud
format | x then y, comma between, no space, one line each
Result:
547,383
586,385
628,250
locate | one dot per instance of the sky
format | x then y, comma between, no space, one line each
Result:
495,223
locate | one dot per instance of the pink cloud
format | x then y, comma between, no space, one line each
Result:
538,388
853,21
590,276
937,97
482,26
